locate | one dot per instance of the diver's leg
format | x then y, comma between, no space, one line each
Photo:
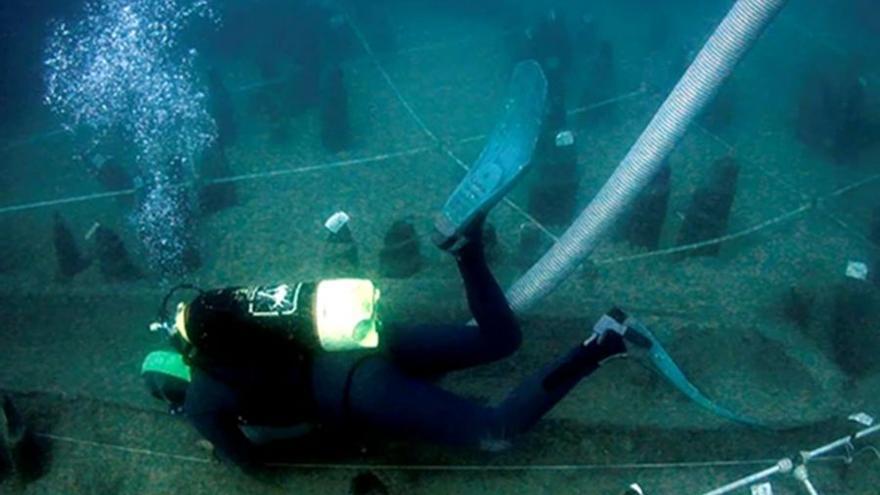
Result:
537,394
458,224
486,300
383,397
433,349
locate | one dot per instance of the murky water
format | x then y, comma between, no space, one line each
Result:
146,144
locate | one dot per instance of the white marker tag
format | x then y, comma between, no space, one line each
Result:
762,489
862,419
635,489
336,221
564,138
857,270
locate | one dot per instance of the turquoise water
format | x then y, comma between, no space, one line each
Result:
72,348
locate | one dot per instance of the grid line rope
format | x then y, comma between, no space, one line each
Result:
430,467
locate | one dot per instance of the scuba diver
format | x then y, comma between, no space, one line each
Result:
332,371
251,365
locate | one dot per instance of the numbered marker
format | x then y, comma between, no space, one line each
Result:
762,489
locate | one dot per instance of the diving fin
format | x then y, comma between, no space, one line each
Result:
503,160
639,337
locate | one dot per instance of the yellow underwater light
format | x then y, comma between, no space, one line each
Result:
345,314
180,321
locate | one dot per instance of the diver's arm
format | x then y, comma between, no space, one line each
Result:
230,444
213,409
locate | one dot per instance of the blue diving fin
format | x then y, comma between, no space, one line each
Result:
662,363
507,154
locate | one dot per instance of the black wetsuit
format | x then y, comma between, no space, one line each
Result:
390,391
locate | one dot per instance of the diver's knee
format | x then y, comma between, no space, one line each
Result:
514,338
509,343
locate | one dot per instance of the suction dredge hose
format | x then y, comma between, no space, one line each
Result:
725,48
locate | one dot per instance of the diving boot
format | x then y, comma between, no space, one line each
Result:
637,338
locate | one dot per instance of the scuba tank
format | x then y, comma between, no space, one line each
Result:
279,323
308,317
